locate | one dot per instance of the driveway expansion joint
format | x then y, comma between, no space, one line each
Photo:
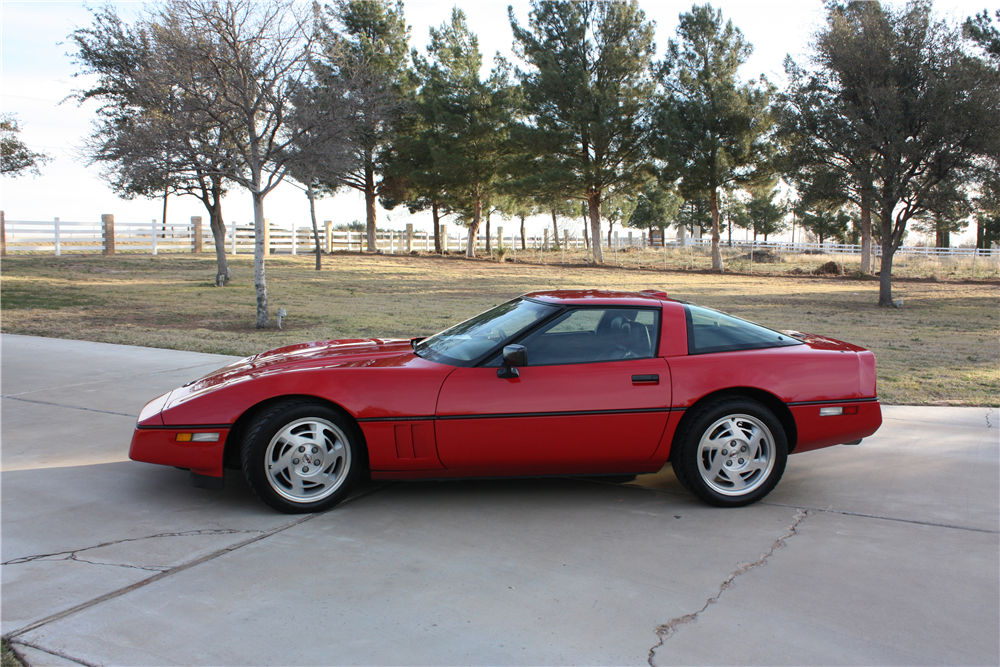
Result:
20,654
665,631
257,535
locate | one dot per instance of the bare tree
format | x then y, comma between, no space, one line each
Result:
15,157
327,112
235,65
144,144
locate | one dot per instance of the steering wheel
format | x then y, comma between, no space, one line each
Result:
497,334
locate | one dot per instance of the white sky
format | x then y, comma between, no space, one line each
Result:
36,74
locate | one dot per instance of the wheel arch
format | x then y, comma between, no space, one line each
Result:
234,441
769,400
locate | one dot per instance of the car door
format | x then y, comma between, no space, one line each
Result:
593,397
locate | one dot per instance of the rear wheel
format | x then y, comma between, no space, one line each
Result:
732,452
301,456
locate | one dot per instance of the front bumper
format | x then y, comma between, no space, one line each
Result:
160,445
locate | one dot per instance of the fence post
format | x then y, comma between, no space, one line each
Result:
500,238
196,239
56,229
108,222
3,235
295,239
153,234
232,236
328,227
409,237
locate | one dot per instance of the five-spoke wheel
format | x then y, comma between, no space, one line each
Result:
301,456
732,452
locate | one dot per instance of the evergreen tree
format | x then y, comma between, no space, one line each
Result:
766,215
823,220
587,92
469,120
915,100
373,33
656,208
713,130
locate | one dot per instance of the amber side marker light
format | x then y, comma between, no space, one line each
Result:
197,437
829,412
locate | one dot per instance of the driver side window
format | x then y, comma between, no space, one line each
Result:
593,334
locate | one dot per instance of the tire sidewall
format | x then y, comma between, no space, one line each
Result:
267,425
688,462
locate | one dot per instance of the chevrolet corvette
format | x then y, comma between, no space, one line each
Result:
573,383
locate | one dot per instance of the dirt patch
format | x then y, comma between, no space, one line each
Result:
762,257
829,269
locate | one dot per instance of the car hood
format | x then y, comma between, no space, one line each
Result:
328,354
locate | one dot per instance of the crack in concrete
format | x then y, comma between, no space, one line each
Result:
261,535
153,568
664,631
71,407
988,424
72,554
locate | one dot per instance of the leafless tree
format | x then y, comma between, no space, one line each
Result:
327,114
235,66
142,141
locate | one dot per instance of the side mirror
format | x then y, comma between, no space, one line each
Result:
513,356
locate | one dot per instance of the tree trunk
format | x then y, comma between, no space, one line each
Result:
437,227
163,222
477,216
523,240
943,238
866,236
370,207
594,204
555,229
489,247
222,273
586,236
259,252
312,212
885,273
211,197
716,250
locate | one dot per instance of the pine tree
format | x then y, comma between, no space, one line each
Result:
587,90
373,33
714,130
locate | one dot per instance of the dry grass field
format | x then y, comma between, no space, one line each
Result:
941,348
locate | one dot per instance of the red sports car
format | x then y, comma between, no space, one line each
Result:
550,383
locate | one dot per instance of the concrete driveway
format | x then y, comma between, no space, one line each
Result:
885,553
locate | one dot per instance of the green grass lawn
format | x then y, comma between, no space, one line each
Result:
941,348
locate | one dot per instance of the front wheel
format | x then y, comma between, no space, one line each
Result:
301,456
732,452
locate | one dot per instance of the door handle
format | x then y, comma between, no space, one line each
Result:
645,379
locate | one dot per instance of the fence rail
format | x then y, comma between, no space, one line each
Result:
107,237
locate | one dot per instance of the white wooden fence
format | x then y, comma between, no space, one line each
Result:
108,237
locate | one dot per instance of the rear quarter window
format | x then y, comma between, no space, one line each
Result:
711,331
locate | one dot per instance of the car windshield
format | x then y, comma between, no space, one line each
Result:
466,343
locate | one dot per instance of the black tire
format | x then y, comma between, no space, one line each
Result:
302,456
755,446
